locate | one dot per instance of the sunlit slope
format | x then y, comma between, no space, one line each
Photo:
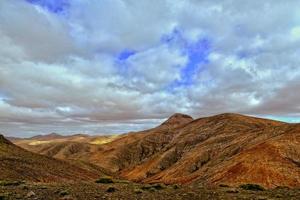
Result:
19,164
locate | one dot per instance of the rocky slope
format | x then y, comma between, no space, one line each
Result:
224,149
19,164
229,149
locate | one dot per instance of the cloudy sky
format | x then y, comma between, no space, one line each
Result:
113,66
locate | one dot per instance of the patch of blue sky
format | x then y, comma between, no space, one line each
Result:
121,61
125,54
244,54
55,6
3,95
285,119
197,53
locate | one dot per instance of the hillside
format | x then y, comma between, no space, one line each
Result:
228,149
55,138
19,164
224,149
74,148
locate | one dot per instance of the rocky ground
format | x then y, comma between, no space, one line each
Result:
129,190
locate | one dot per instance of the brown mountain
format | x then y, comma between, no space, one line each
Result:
227,149
50,136
56,138
19,164
177,120
78,147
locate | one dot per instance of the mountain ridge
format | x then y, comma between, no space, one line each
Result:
211,150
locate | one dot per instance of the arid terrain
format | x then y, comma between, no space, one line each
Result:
150,99
227,156
18,164
134,191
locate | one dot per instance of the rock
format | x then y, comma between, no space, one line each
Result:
67,198
30,194
232,191
262,198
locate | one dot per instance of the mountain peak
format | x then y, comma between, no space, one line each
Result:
179,115
178,119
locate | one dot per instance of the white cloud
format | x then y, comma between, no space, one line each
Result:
41,35
156,67
111,25
60,71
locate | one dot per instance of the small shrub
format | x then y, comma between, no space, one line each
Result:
232,191
111,189
122,181
146,187
63,193
223,185
254,187
25,187
175,187
282,188
138,191
43,187
154,187
159,186
191,193
2,197
105,180
10,183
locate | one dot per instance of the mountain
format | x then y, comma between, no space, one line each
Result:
74,148
19,164
229,149
50,136
224,149
54,138
177,120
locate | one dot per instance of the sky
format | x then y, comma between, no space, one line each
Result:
114,66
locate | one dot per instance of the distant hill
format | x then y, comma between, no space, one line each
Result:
19,164
79,147
54,137
50,136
